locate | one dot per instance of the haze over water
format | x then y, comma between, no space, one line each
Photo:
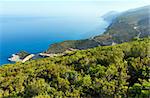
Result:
32,25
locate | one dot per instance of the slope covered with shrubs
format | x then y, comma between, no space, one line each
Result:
130,24
104,72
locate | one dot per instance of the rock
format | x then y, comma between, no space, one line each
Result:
14,58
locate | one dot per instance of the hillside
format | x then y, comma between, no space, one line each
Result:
103,72
128,25
75,44
109,16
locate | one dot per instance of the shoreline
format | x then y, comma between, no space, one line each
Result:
17,58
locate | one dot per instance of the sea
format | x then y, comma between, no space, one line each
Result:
35,34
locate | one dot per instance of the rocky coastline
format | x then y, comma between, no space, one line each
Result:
17,58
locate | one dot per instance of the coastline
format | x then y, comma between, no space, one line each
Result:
17,58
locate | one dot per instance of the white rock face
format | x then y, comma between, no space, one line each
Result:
28,58
14,58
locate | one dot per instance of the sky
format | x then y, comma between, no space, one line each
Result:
53,8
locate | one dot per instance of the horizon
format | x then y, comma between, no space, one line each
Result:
39,19
64,8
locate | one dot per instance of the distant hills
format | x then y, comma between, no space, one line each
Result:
129,24
125,26
118,71
109,16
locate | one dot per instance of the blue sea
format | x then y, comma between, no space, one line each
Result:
35,34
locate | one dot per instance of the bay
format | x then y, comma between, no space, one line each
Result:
35,34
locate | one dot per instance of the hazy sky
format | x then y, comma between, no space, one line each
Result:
93,8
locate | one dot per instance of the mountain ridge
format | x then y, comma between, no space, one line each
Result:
125,27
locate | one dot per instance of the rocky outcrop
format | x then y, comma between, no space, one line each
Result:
17,58
27,58
14,58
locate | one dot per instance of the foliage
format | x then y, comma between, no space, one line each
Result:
104,72
22,54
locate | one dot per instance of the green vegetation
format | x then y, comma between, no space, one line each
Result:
75,44
22,54
104,72
125,27
129,24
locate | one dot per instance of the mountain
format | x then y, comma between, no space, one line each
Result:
119,71
110,16
125,27
130,24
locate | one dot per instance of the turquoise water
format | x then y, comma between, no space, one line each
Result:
35,34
